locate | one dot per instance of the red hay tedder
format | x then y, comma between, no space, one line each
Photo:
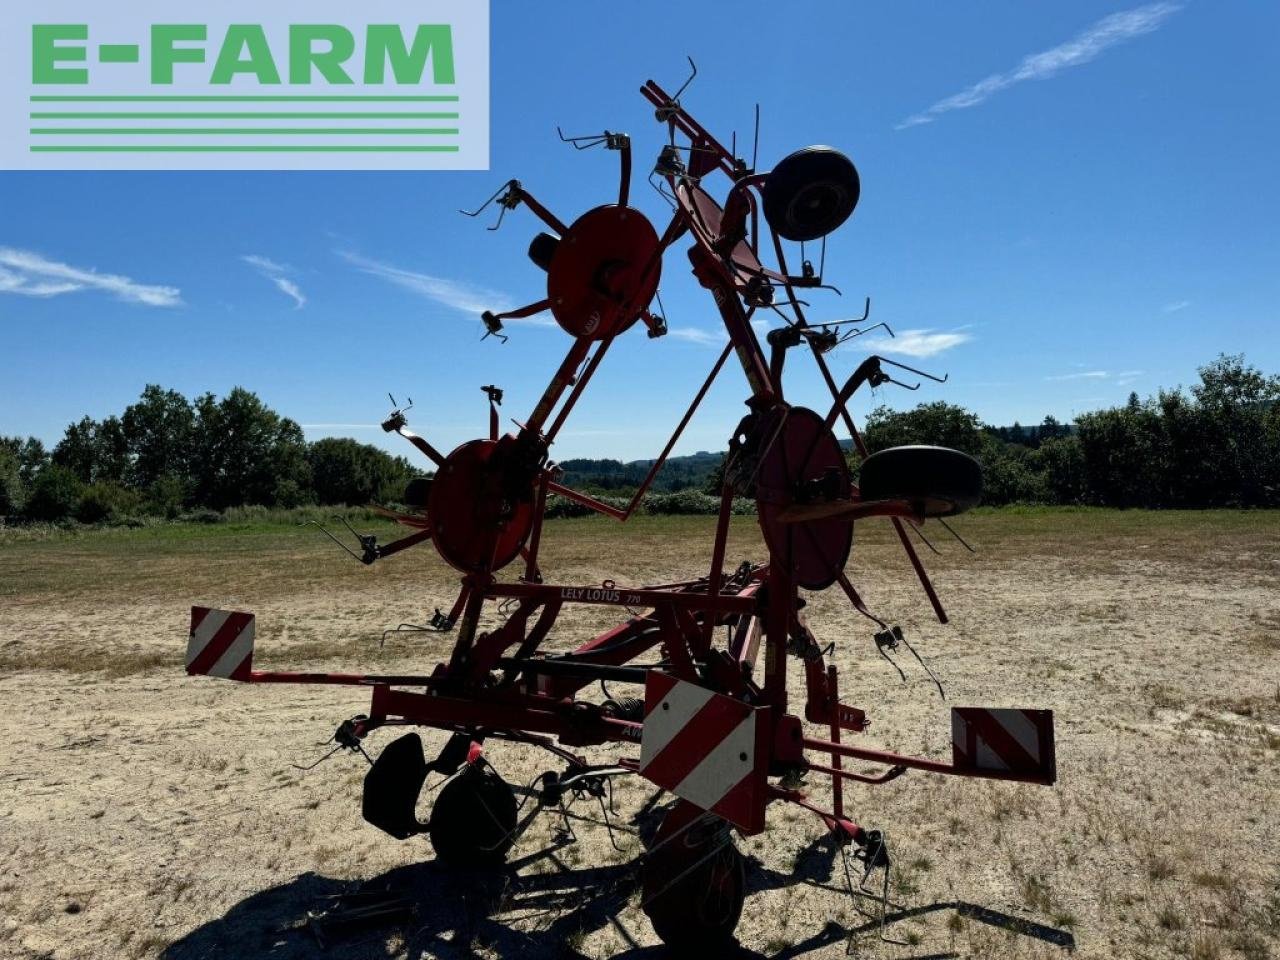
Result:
714,726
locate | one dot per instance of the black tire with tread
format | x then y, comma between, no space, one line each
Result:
696,912
474,818
941,482
810,193
542,248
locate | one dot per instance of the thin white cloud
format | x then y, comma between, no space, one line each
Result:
264,264
1080,49
1082,375
1175,306
1123,377
462,297
914,343
698,335
290,289
278,274
32,275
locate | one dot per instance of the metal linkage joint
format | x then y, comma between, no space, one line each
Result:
610,140
507,197
669,163
492,326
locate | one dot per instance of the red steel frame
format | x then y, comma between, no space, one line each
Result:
494,683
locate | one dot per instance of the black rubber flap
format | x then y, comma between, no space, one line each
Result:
392,785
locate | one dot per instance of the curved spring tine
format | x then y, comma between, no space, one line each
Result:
684,86
585,142
857,333
335,539
923,539
480,209
664,193
918,373
946,526
938,683
755,148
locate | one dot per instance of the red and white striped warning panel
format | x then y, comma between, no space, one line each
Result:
1018,743
221,644
706,748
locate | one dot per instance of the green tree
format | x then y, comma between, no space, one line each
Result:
157,430
77,451
94,452
1124,456
1061,460
940,423
713,486
13,494
31,455
54,495
1240,406
112,460
354,473
244,452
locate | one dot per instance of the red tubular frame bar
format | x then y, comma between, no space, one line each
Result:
610,511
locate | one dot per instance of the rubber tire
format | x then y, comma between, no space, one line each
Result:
474,819
541,249
696,915
941,482
810,193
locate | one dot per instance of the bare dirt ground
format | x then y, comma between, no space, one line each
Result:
144,813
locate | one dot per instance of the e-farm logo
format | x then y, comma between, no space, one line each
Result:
236,84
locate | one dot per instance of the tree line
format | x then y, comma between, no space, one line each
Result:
168,456
1215,445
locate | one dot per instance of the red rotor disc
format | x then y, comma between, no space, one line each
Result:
805,449
604,272
475,526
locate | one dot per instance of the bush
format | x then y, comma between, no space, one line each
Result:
558,507
1012,479
684,503
54,495
12,494
106,503
166,497
202,516
680,503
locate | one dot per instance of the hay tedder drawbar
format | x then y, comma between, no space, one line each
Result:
708,656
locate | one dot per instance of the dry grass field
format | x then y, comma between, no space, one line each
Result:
145,814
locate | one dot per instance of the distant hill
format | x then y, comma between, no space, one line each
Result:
693,470
678,473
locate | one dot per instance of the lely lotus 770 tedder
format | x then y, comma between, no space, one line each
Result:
714,726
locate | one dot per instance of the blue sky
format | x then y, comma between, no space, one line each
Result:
1061,203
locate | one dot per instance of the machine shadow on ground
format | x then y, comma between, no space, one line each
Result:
538,906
